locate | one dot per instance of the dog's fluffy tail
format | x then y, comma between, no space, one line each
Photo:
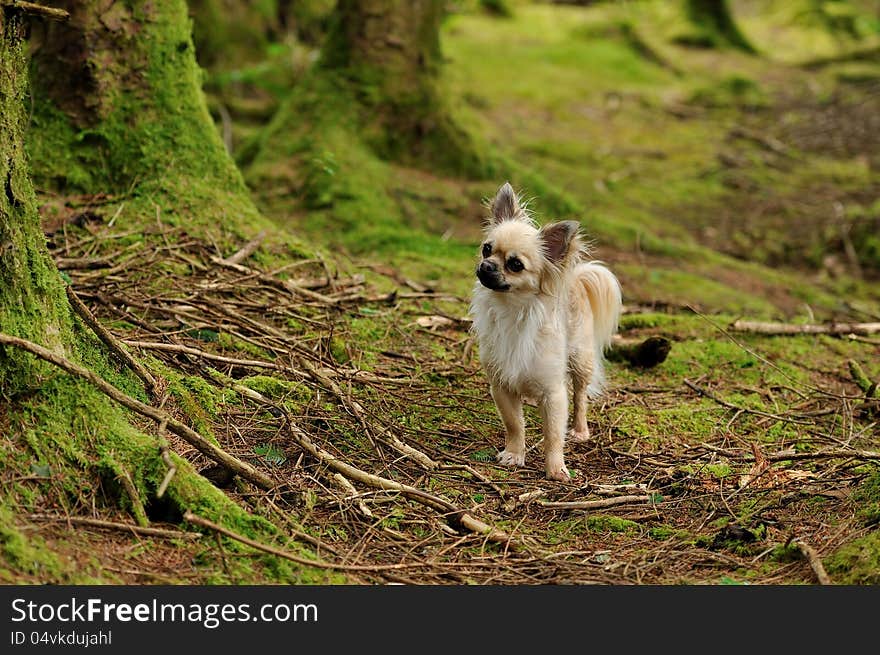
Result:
606,302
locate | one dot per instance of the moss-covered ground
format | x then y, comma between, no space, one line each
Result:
718,186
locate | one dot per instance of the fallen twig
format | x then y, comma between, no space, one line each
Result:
711,396
112,342
172,468
815,562
112,525
358,410
287,285
39,10
348,487
317,563
249,249
846,453
186,433
595,504
757,327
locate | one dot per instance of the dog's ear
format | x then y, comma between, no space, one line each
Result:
558,238
505,206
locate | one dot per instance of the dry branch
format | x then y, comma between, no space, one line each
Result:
348,487
38,10
320,564
111,341
358,410
815,562
249,249
757,327
112,525
186,433
467,520
595,504
711,396
831,453
195,352
172,468
287,285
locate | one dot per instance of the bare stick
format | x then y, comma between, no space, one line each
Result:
815,561
708,394
112,525
39,10
831,453
195,352
595,504
186,433
377,482
357,409
137,507
756,327
112,342
343,482
353,473
172,468
287,285
249,249
320,564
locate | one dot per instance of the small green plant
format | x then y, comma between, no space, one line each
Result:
271,454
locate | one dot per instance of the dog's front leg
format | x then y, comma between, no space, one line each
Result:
509,406
554,411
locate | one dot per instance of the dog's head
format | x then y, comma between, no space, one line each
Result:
516,256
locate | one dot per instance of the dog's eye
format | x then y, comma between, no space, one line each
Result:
514,265
487,249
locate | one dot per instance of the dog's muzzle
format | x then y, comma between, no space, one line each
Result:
491,277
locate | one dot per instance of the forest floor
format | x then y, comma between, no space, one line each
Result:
351,378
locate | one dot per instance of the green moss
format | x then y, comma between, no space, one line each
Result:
23,555
868,498
291,392
608,523
198,400
857,562
732,90
152,141
663,532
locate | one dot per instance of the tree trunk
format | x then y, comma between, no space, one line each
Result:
32,300
76,448
390,51
377,76
715,19
118,108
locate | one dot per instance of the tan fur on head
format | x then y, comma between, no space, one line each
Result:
543,314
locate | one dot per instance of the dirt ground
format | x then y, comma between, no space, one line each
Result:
395,479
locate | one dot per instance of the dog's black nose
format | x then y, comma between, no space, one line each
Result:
488,266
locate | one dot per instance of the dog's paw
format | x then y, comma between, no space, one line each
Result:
579,436
558,473
509,458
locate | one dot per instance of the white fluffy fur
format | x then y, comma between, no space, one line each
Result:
512,329
546,331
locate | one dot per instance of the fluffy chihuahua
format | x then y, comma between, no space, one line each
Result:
543,315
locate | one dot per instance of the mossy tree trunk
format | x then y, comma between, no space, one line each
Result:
81,443
716,20
32,300
390,51
118,108
378,78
